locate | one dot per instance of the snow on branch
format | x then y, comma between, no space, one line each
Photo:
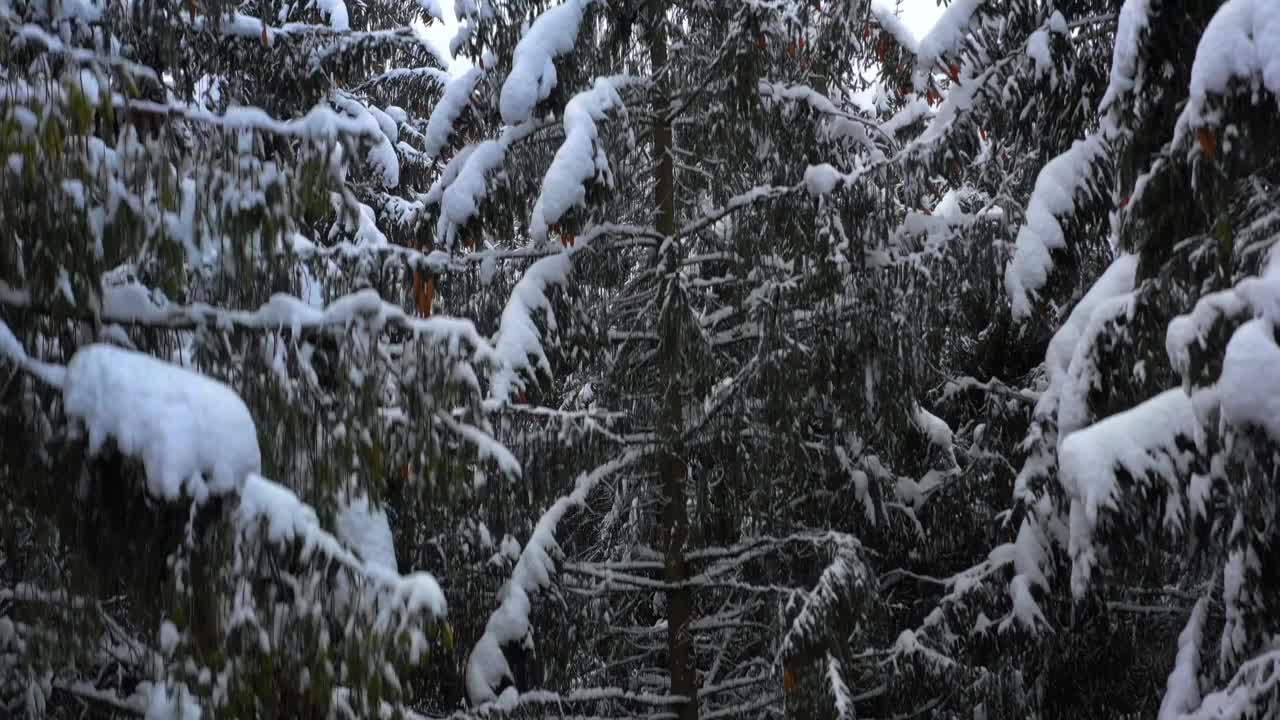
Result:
1158,439
131,304
337,12
841,593
382,155
196,437
839,124
580,157
453,102
487,667
185,426
1257,296
1182,693
1116,281
760,193
1242,41
268,506
839,690
321,122
1251,692
461,199
1083,373
1060,182
947,34
1249,388
886,14
1133,22
533,71
518,338
54,375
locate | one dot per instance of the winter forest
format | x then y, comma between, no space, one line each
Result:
659,359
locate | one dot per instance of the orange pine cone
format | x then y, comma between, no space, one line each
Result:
424,293
266,41
953,72
761,42
791,50
1208,143
789,680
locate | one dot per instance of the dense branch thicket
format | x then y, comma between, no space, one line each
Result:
639,358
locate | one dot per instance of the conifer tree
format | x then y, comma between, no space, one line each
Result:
632,358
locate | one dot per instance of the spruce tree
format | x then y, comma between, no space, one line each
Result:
629,358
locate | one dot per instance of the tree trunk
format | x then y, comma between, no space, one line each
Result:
671,464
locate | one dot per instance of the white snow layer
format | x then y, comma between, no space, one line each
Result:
367,532
1250,691
1053,196
382,154
947,34
517,338
579,159
821,179
1133,21
533,72
192,432
460,200
1259,296
1138,441
1082,373
1249,388
1182,693
10,347
178,705
337,12
1242,41
454,100
288,518
1115,281
886,13
487,667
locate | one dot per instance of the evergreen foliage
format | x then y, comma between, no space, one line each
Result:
625,358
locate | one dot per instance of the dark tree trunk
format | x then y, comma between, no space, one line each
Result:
671,464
